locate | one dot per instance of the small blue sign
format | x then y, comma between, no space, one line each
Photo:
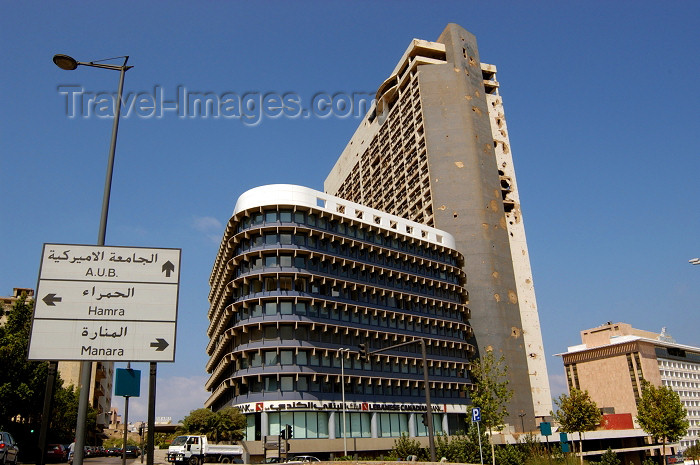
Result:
127,382
476,414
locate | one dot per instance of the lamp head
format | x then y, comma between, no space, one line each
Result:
65,62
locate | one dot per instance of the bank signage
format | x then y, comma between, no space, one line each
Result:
106,304
349,406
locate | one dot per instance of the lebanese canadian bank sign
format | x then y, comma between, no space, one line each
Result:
105,303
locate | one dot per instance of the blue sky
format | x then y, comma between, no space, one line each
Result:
601,102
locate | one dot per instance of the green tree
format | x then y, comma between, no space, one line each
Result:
660,413
405,446
199,421
228,424
577,413
491,392
23,385
609,458
693,452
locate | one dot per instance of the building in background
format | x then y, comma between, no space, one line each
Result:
8,302
300,281
434,149
614,358
101,390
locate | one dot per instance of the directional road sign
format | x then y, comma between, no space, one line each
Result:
106,304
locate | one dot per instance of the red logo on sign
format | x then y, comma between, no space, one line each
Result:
258,406
365,406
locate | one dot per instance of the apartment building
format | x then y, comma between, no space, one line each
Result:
434,149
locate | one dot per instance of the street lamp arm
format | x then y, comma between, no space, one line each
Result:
103,66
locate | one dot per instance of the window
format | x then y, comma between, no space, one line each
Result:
271,358
285,260
286,308
286,357
285,283
286,383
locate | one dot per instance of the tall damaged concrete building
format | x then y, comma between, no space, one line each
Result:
434,149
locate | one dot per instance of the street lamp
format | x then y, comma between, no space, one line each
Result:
522,423
342,390
69,63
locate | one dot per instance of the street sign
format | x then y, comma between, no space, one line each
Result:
127,382
106,304
476,414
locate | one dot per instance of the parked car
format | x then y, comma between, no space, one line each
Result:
303,459
8,449
133,451
114,452
56,453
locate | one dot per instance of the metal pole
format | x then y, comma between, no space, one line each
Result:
428,406
110,161
151,413
86,366
46,413
126,428
342,380
478,431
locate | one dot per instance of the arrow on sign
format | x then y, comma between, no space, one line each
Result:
160,344
51,300
168,267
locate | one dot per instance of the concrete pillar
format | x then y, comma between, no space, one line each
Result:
264,426
445,424
374,427
331,425
412,425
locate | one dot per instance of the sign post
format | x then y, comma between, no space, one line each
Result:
102,303
476,417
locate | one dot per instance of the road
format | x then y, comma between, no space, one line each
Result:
159,458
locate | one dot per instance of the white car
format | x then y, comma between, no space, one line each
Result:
303,459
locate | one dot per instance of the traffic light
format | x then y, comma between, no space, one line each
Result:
286,432
364,355
424,419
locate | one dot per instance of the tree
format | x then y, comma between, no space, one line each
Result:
198,421
693,452
405,446
660,413
226,424
491,393
461,448
23,386
609,458
577,413
229,424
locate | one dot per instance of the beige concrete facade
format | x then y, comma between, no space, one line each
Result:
614,358
434,149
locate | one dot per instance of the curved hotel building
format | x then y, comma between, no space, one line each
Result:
301,280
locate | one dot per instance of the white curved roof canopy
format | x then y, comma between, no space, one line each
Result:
289,194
